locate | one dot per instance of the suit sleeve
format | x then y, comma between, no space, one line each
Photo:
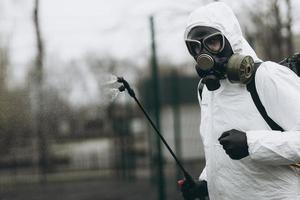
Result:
279,91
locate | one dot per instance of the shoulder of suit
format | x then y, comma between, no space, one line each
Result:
272,70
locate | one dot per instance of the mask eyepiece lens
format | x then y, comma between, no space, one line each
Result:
214,43
194,47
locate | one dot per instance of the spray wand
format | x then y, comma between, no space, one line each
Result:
188,178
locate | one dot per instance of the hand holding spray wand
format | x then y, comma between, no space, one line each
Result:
188,179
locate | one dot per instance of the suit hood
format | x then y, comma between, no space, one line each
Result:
220,16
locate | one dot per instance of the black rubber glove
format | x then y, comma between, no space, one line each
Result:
197,191
235,144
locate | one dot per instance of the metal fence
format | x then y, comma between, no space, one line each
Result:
88,155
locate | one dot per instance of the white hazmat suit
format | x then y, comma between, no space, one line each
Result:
265,174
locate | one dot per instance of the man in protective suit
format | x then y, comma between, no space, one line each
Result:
245,158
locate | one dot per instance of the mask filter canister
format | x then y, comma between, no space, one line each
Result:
205,61
240,68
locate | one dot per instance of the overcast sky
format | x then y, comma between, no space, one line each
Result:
117,28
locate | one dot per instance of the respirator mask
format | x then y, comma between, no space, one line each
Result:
215,58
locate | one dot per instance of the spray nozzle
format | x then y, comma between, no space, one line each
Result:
125,86
122,88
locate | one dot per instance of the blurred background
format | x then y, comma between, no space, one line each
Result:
66,132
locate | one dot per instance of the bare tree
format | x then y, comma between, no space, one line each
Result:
38,87
274,36
290,36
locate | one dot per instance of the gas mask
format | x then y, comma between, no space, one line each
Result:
215,58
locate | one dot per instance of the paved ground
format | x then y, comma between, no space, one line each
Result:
89,190
92,187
